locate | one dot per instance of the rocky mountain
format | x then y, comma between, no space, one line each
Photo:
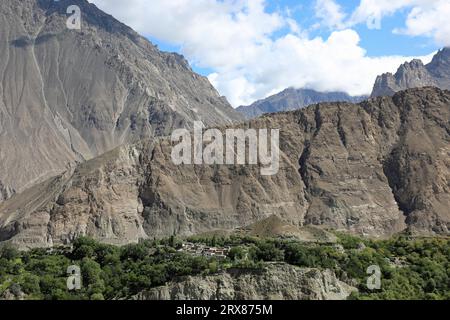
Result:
274,282
293,99
374,168
415,74
70,95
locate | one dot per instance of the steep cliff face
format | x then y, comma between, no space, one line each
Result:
439,68
373,168
274,282
294,99
415,74
70,95
418,166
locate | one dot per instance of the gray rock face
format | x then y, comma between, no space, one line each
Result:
373,168
294,99
70,95
415,74
439,68
275,282
5,192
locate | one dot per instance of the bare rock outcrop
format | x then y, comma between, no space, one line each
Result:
374,168
274,282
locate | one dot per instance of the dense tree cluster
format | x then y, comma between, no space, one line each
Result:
108,272
411,268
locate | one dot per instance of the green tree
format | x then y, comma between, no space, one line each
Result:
84,247
9,253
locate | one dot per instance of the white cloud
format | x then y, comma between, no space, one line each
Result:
431,21
373,11
330,13
213,33
236,39
335,64
425,17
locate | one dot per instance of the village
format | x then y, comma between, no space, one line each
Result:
197,249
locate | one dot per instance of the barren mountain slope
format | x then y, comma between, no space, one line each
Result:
373,168
70,95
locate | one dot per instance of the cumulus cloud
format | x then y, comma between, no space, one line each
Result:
212,33
330,13
335,64
254,53
431,21
425,17
373,11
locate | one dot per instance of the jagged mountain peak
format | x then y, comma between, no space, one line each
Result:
415,74
413,64
439,67
443,54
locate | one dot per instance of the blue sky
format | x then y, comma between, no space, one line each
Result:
250,49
